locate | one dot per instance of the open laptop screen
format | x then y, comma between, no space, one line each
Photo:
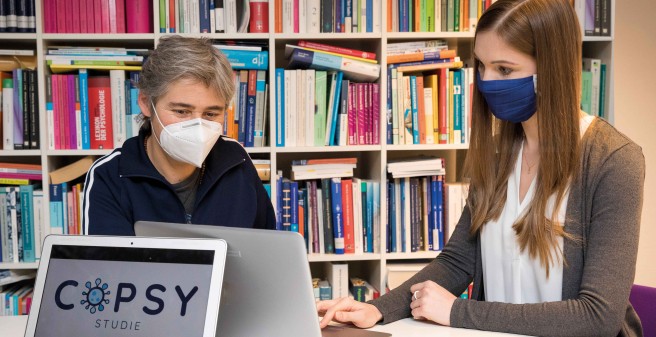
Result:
121,291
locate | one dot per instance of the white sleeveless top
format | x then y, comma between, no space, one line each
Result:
509,275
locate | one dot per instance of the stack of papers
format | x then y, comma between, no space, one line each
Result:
417,167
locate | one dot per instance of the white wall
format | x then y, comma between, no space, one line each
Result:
635,110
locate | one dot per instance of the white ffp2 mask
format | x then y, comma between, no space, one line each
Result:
188,141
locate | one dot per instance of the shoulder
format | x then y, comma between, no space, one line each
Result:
107,163
606,147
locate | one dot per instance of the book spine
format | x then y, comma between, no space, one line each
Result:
347,207
351,112
338,222
326,16
249,140
247,59
315,215
259,16
78,113
293,195
260,111
204,16
117,78
71,112
329,247
84,107
375,106
280,107
25,91
27,222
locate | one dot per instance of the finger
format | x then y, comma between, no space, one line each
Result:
342,305
347,316
417,313
322,306
416,304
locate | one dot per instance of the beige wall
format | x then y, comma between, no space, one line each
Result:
635,110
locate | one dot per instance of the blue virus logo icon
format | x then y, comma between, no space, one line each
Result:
94,296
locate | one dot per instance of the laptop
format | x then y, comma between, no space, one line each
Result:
267,288
127,286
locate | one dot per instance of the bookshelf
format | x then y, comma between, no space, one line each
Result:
372,159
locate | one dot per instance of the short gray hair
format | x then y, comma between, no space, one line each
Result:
177,58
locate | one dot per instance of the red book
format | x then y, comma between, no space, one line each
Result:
100,113
104,16
375,107
360,112
54,82
71,212
301,219
120,16
69,16
91,28
338,50
259,21
351,113
138,17
442,87
172,17
50,18
82,17
75,15
97,16
349,221
61,15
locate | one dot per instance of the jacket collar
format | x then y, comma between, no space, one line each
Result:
134,161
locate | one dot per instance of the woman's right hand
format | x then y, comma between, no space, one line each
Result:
348,310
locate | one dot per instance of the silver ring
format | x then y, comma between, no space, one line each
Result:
414,296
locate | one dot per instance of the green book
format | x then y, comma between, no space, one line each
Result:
602,89
586,91
162,16
320,85
430,16
423,25
450,15
456,15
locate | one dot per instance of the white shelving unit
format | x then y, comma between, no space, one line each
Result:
372,158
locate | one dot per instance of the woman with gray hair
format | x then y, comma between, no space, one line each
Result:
179,168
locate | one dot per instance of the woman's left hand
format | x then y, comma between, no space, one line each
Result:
432,302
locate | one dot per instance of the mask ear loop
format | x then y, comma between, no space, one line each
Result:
160,123
535,83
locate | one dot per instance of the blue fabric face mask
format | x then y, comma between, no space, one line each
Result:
511,100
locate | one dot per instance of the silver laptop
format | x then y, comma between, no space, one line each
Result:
267,288
127,286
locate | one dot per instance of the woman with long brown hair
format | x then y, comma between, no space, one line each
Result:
549,236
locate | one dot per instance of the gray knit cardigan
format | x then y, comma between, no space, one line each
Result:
603,210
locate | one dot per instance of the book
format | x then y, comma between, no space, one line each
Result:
100,112
337,50
71,171
353,69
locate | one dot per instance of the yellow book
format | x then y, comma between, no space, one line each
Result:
62,68
14,181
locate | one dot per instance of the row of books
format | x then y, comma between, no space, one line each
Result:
593,87
327,16
19,173
16,298
17,16
335,215
434,15
594,16
246,115
91,112
249,56
213,16
21,223
19,110
431,106
97,16
321,108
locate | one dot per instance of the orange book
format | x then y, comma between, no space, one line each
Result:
417,16
421,114
301,219
351,160
465,13
278,13
172,17
416,57
349,221
389,15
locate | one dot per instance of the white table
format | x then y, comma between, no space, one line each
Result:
14,326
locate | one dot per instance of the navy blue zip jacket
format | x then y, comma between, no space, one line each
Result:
124,187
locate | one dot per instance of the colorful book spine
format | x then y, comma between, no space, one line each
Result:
286,205
249,134
247,59
321,83
328,235
338,221
294,216
27,222
280,107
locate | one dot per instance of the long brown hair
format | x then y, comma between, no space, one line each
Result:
548,31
